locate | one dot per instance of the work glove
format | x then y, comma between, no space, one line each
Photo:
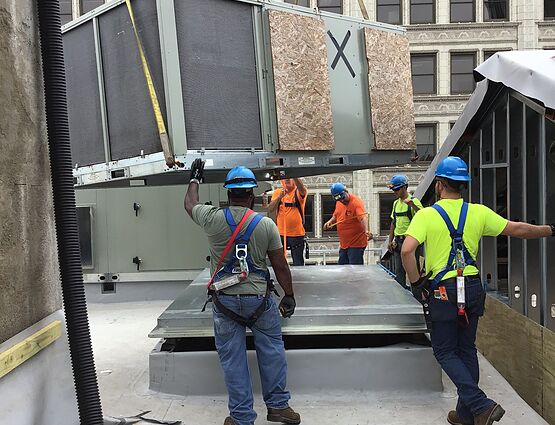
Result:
197,169
287,306
421,288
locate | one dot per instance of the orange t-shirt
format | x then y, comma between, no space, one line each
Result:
288,217
350,228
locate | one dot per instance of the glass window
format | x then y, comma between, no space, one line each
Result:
84,223
426,141
88,5
462,67
462,11
423,74
389,11
65,11
328,207
305,3
422,11
309,215
386,206
334,6
549,9
496,10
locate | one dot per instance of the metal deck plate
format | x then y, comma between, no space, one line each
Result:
330,300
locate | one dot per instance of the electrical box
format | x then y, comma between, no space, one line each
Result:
282,89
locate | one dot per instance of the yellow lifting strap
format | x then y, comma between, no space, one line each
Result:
363,9
164,138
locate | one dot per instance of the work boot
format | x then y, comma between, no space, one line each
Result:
493,414
453,419
285,416
229,421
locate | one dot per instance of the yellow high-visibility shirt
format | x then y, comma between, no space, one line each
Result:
402,222
429,228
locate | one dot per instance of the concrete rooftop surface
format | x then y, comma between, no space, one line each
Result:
121,348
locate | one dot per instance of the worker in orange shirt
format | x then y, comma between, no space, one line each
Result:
350,217
288,204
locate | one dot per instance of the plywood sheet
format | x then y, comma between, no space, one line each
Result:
302,87
390,90
513,345
549,376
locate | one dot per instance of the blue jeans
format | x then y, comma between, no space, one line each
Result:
454,346
351,255
270,352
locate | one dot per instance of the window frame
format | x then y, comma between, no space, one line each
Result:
400,6
434,13
460,2
90,208
461,53
323,213
310,232
507,8
423,54
433,125
294,2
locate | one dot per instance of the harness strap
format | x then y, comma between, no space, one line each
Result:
247,322
408,213
230,242
457,239
296,204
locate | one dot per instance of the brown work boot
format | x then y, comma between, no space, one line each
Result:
229,421
453,419
493,414
285,416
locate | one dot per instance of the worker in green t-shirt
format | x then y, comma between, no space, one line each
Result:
404,208
451,292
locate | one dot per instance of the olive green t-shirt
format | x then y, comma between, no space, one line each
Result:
402,222
429,228
264,238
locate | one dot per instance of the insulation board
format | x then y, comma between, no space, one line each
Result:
390,89
302,87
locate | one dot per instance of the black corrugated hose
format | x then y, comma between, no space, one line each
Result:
75,306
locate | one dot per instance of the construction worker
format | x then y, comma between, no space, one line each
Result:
249,302
288,205
351,220
404,208
452,292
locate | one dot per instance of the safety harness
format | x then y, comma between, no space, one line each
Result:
296,204
239,266
459,258
408,213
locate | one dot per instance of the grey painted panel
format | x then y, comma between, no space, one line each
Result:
489,244
550,218
350,101
516,203
401,367
83,99
533,258
218,73
132,126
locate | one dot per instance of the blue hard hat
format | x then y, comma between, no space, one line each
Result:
397,182
453,168
240,178
337,190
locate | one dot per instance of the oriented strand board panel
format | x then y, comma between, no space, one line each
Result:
390,90
302,86
513,345
549,376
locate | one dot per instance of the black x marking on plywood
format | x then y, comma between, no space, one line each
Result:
341,52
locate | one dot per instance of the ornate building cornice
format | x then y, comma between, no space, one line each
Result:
439,105
546,31
463,33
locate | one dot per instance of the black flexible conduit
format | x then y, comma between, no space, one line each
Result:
84,373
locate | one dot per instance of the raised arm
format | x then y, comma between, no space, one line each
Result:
191,197
300,187
274,204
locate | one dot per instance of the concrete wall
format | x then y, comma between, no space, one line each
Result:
29,285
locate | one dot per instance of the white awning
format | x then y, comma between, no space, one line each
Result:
530,72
